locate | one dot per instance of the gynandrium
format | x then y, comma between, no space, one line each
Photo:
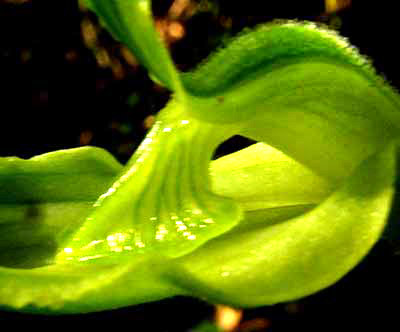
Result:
276,221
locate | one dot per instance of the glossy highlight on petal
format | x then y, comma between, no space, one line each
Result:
162,201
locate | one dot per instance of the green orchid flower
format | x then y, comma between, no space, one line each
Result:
277,221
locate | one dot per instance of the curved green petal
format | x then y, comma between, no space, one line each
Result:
297,257
118,280
42,201
268,185
253,264
79,288
261,177
45,198
301,89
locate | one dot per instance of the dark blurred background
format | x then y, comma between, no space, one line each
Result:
101,96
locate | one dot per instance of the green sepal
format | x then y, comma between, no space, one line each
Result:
46,198
302,89
131,22
80,288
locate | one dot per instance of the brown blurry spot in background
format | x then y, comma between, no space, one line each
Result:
128,56
176,30
333,6
149,121
179,8
85,137
89,33
255,325
227,318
